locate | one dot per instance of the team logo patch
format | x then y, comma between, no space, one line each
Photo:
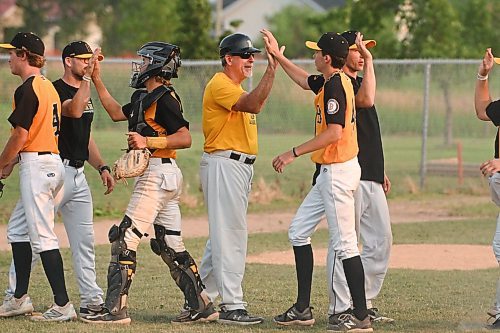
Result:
332,106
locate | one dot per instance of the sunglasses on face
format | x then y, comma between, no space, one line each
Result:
245,55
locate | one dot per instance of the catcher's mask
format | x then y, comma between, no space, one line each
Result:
158,59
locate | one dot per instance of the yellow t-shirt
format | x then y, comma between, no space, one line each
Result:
224,128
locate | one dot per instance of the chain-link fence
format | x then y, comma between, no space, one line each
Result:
426,111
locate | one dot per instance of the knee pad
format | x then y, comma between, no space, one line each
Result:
183,270
121,268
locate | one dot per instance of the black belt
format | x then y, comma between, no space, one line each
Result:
166,160
44,152
74,163
248,160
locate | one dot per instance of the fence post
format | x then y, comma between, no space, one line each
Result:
425,124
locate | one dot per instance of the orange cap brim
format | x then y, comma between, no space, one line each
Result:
368,43
497,60
313,45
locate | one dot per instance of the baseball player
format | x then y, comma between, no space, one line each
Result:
489,110
156,121
226,171
76,146
33,143
372,213
335,148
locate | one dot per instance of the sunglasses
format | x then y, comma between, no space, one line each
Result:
245,55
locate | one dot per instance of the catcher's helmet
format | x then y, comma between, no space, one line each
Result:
236,43
164,60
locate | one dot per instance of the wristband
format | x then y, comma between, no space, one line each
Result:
294,152
157,142
104,167
481,77
86,78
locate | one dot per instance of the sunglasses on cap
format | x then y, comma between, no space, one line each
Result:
245,55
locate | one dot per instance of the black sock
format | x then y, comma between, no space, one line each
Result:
53,266
355,276
22,255
304,263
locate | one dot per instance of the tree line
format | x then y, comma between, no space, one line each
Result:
402,28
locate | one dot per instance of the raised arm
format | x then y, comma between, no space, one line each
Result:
482,96
74,107
365,97
296,73
112,107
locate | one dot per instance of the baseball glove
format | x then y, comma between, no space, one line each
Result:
131,164
1,188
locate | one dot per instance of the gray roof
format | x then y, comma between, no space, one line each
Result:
326,4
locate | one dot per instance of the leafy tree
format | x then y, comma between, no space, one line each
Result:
193,31
292,27
128,24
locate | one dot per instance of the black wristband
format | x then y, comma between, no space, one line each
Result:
104,167
294,152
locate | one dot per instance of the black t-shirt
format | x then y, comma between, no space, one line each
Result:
371,153
75,132
493,112
26,103
167,110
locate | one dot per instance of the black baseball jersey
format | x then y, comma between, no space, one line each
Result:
493,112
75,132
371,153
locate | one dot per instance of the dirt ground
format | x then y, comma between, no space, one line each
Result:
411,256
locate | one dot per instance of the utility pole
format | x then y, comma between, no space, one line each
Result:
218,18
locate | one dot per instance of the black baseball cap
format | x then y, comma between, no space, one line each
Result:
350,37
79,49
26,41
332,43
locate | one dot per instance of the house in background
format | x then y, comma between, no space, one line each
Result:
253,14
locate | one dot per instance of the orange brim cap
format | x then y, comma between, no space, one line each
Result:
100,57
497,60
7,46
368,43
313,45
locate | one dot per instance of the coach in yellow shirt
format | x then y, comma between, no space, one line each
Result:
226,171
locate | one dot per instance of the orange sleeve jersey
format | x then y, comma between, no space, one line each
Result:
37,109
163,117
223,127
334,104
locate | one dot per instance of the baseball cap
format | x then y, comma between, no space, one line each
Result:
332,43
26,41
350,36
79,49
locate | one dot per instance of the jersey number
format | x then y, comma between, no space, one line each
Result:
55,119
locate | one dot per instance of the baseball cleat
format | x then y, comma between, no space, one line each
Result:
16,306
57,313
91,310
238,317
107,318
376,317
192,316
349,323
292,316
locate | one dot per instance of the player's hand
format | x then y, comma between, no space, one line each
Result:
93,61
136,141
108,181
270,42
386,185
362,47
490,167
487,63
7,170
279,162
96,73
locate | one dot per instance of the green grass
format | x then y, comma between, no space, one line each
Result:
420,301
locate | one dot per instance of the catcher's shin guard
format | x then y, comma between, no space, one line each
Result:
183,270
121,268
